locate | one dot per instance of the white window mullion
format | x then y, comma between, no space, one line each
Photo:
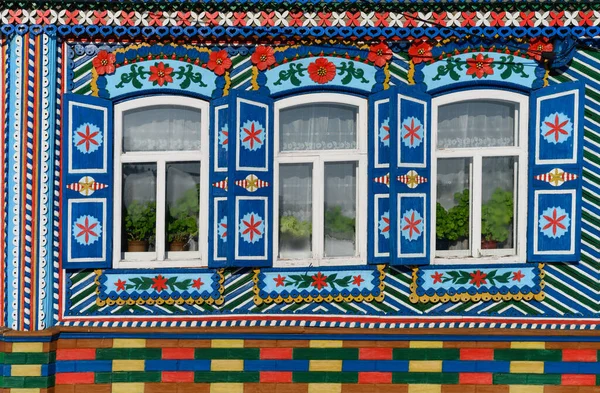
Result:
318,189
161,191
476,181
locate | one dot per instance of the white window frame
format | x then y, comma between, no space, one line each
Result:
474,255
161,257
318,158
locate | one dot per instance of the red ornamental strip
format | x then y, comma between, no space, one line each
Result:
556,178
221,184
86,186
412,180
383,179
251,185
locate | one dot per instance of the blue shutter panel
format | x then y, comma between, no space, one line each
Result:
555,169
382,123
250,193
410,185
87,182
218,172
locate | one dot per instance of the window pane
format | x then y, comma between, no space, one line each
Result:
139,207
497,210
295,211
476,124
317,127
183,204
165,127
453,204
340,209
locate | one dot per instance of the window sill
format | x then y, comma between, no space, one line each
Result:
325,262
167,263
513,259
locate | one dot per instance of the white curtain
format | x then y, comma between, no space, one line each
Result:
476,124
161,128
318,127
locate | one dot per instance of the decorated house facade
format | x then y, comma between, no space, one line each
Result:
332,196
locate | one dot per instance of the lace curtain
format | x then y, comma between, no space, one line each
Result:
161,128
476,124
317,127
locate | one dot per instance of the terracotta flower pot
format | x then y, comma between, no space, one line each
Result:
137,245
489,244
177,246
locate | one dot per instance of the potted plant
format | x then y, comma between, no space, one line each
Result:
183,220
296,233
496,219
452,226
338,226
140,224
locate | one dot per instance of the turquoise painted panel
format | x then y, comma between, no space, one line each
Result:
319,72
160,75
480,66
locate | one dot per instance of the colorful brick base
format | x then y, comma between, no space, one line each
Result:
96,362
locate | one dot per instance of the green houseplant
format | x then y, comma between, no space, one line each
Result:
496,218
452,225
183,219
339,226
140,224
294,232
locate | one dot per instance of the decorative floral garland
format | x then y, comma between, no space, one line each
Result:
149,288
477,284
319,285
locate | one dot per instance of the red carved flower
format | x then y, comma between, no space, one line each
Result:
218,62
198,283
263,57
420,51
160,74
478,278
357,280
319,281
539,45
252,135
480,66
104,63
86,229
88,138
120,284
252,227
321,71
554,222
159,283
555,128
379,54
437,277
279,281
517,276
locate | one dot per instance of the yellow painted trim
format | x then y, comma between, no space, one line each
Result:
227,343
324,388
319,299
226,388
28,347
426,344
26,370
525,389
325,365
128,365
424,388
465,297
129,343
226,365
421,366
326,343
136,387
520,366
528,345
